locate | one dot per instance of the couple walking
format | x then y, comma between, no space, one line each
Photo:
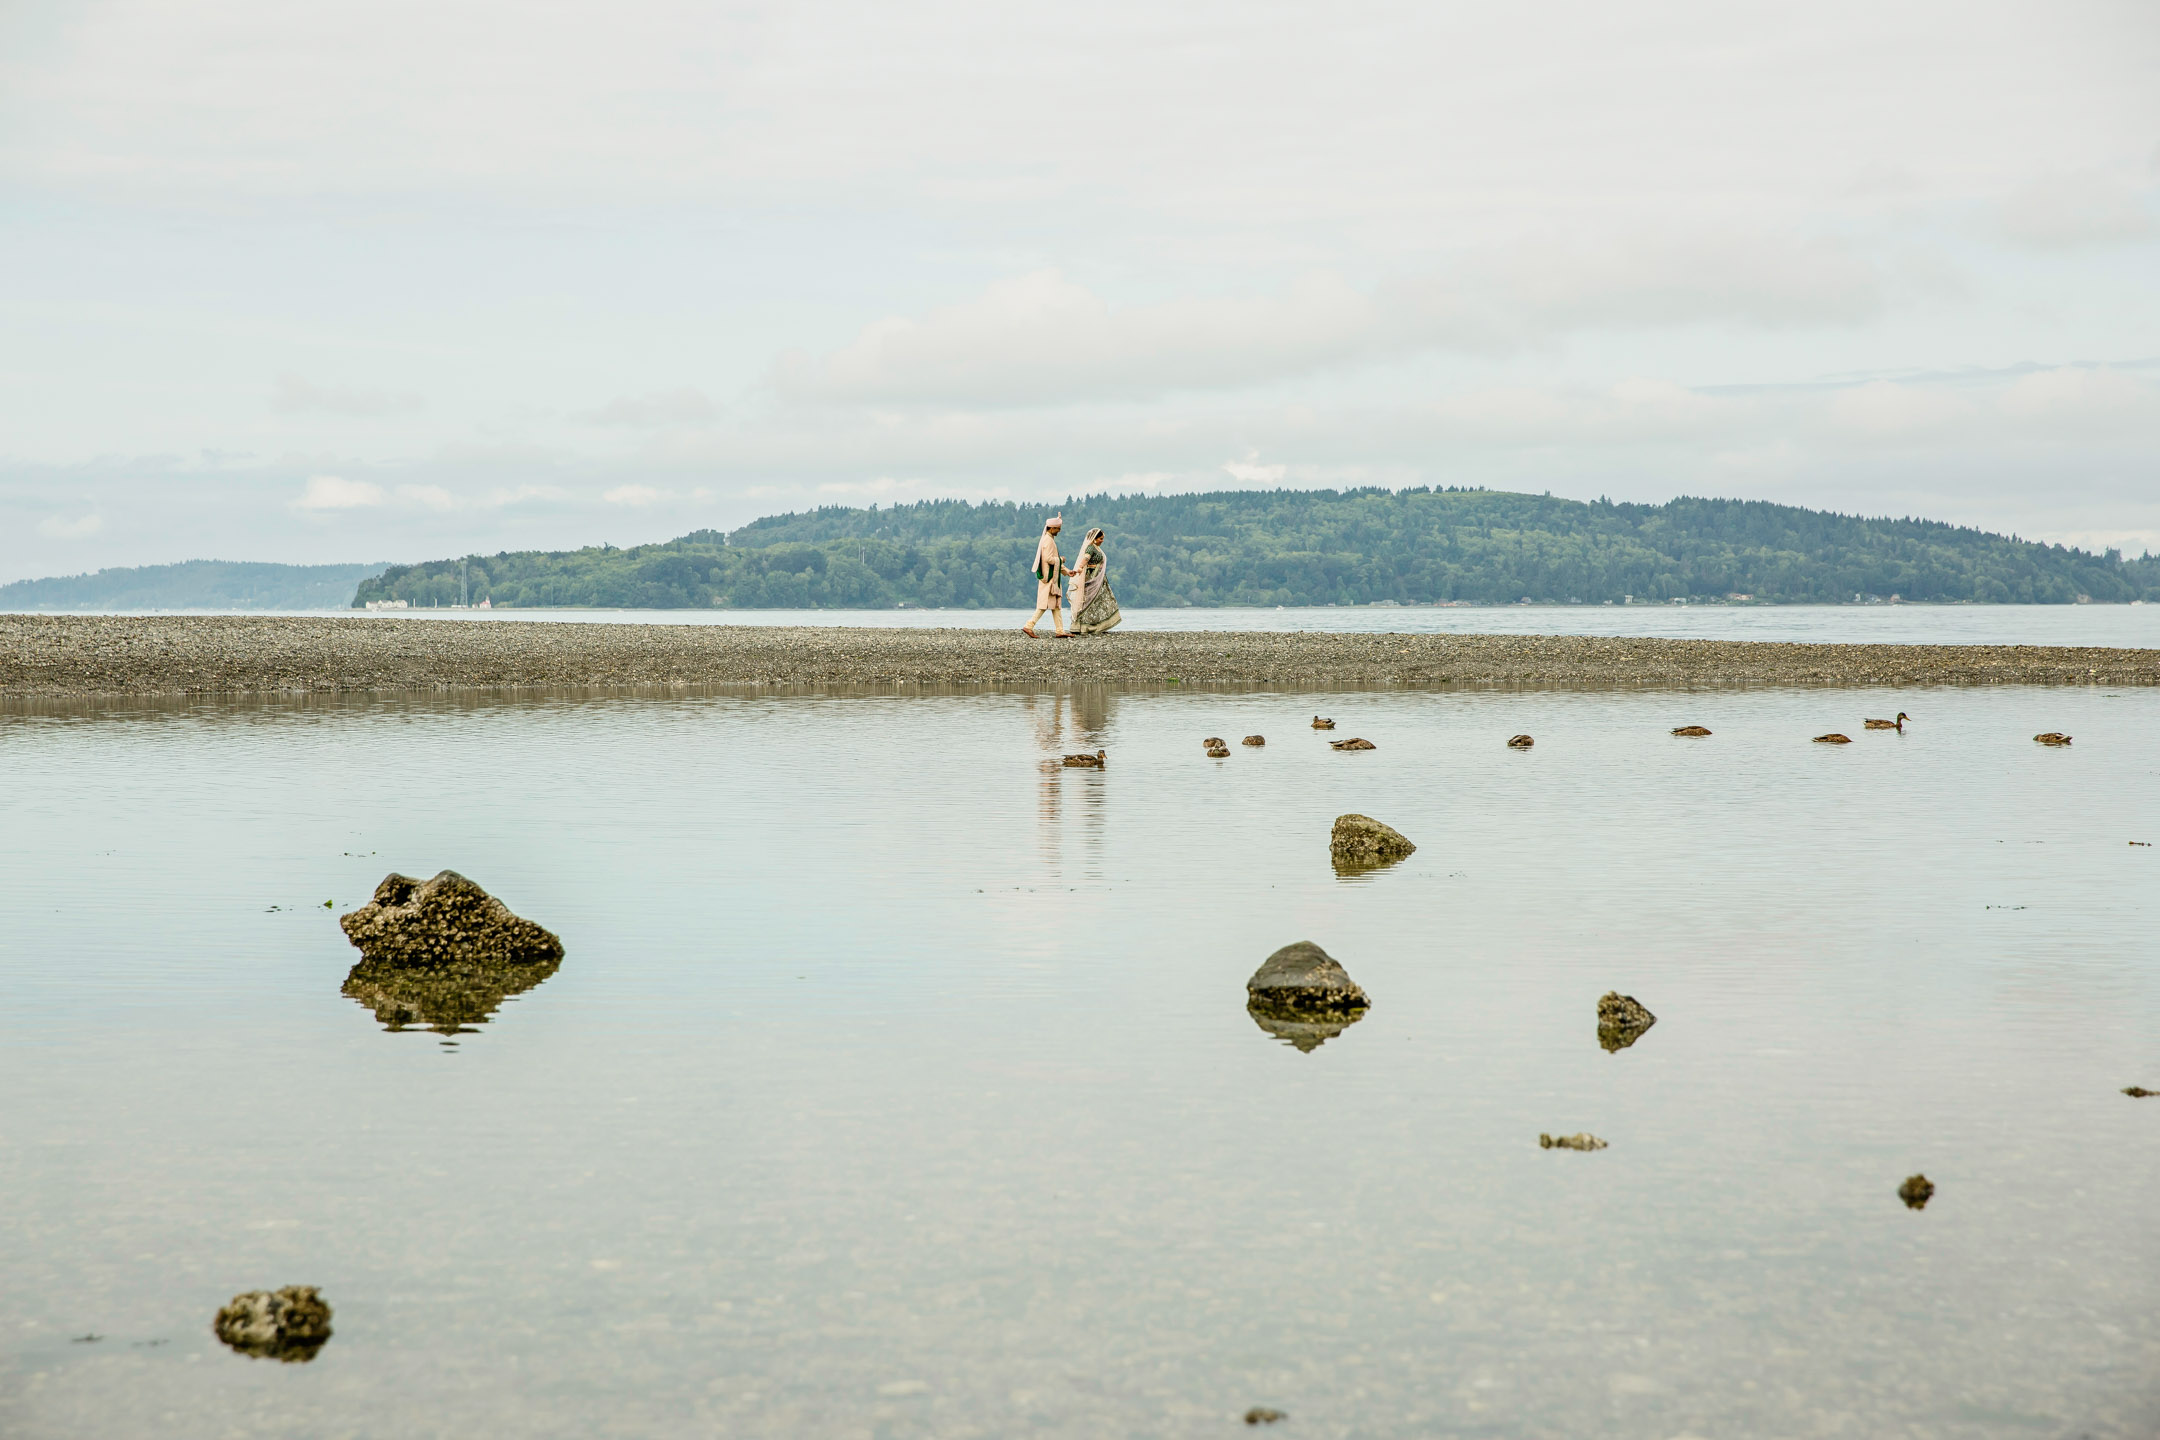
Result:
1094,607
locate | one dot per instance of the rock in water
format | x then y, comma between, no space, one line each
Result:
1303,980
1583,1141
444,921
1916,1192
1362,840
291,1324
1621,1021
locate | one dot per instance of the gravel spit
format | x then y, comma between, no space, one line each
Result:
70,655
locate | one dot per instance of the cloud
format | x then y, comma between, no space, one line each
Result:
56,528
653,411
429,497
2060,211
296,396
1041,338
633,495
334,492
1246,472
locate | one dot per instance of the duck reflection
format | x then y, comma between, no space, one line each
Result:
452,999
1308,1030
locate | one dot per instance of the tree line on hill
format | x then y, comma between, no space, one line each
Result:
193,585
1297,547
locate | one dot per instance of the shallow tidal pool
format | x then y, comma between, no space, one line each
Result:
898,1081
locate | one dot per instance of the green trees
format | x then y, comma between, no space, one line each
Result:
1287,547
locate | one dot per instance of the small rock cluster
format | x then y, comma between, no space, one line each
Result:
291,1325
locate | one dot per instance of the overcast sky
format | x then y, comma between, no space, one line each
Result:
405,278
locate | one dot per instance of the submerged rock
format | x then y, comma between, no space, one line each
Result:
1621,1021
444,921
1352,745
1916,1192
1304,979
449,999
1582,1141
1362,840
292,1324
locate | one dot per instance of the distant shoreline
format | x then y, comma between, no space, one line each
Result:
63,656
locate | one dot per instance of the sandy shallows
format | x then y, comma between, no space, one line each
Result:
59,655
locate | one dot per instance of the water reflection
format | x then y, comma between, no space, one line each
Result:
452,999
1353,867
1068,722
1308,1030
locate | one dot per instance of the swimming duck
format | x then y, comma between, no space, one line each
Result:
1254,740
1691,730
1352,745
1095,761
1320,724
1833,738
1520,742
1213,740
1897,724
1217,750
2053,737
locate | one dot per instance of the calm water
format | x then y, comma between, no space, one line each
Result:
895,1085
2132,626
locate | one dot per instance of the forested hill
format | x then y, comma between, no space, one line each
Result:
193,585
1299,547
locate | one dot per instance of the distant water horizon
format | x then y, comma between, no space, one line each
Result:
2128,626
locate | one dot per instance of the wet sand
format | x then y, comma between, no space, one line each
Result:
70,655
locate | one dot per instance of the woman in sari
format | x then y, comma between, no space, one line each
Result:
1094,607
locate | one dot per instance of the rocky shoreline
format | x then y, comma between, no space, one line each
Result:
84,655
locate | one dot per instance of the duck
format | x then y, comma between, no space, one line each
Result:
1217,750
1320,724
1897,724
1213,740
1520,742
1692,730
2053,737
1833,738
1254,740
1095,761
1352,744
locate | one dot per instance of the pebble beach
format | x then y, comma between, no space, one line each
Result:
60,656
